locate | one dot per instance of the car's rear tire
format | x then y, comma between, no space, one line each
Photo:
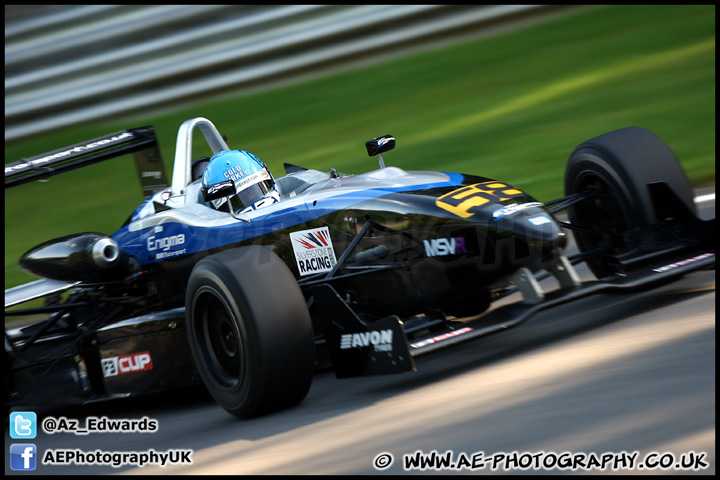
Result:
250,331
622,164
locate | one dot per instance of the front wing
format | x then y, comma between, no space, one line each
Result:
360,348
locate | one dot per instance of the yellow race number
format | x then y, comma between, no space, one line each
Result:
460,201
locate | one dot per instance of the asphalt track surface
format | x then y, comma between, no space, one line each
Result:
612,375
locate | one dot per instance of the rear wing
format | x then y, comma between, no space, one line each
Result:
142,142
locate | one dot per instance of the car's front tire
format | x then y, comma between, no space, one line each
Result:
620,165
250,331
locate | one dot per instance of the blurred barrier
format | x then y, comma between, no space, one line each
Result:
72,64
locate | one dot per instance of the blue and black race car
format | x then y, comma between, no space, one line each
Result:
360,273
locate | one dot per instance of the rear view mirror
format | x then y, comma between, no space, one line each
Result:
376,146
380,145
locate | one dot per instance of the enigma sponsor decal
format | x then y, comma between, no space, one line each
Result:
164,243
313,250
159,246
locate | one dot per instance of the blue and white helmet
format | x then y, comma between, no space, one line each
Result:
240,177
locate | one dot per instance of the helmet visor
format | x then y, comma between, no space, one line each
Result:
250,195
248,190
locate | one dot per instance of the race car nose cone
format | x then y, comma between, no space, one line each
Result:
531,224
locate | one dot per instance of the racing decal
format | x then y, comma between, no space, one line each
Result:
460,201
381,340
135,362
313,250
438,247
683,262
539,220
513,208
442,337
159,246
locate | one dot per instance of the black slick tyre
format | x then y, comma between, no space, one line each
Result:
620,165
250,331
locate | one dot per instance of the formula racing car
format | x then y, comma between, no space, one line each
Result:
359,273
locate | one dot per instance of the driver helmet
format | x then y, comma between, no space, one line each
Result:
239,177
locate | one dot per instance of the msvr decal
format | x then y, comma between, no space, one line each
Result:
438,247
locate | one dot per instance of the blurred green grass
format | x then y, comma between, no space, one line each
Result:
511,106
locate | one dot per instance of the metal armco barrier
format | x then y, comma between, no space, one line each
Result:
72,64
